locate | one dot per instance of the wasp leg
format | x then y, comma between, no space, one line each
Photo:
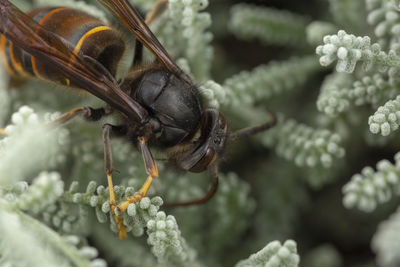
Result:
88,113
254,129
207,197
108,164
157,11
151,170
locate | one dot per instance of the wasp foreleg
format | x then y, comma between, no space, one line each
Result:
151,170
88,113
108,164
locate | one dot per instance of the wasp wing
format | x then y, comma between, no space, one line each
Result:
83,71
124,11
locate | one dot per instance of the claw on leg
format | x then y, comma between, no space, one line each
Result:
70,115
113,204
151,170
138,196
88,113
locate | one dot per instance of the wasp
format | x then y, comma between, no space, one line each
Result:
160,105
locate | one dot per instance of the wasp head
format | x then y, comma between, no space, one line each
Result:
211,145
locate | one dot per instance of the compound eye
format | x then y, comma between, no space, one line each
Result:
205,161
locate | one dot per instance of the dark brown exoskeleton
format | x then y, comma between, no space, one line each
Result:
160,105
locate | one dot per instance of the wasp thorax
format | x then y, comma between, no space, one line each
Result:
172,101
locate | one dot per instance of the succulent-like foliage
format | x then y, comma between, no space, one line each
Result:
267,24
250,60
166,240
385,242
193,43
370,188
334,95
303,145
383,15
349,49
386,118
26,135
50,249
273,254
348,13
316,30
266,81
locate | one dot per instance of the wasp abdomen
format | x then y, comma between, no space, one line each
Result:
86,35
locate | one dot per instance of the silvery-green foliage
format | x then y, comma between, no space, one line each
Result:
348,13
24,5
325,255
266,81
216,95
136,217
373,90
316,30
267,24
274,255
230,208
304,145
370,187
396,4
4,97
386,118
334,95
188,18
383,15
166,240
317,151
85,250
339,93
375,84
145,5
111,248
18,229
349,49
183,237
260,84
44,191
385,242
23,146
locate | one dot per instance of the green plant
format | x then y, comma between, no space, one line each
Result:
286,183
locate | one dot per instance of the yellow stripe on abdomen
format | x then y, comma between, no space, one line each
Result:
86,35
